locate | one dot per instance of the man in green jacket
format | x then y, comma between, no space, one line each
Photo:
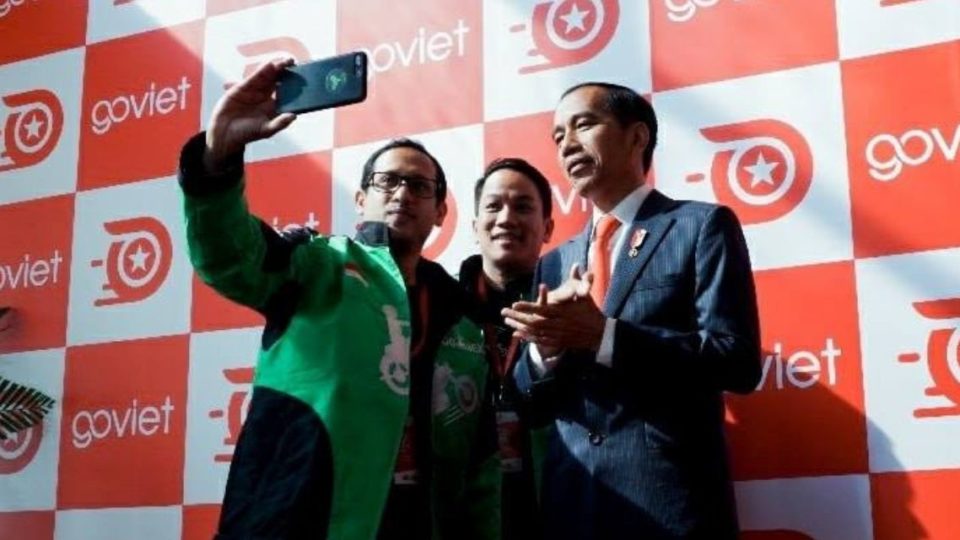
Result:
367,418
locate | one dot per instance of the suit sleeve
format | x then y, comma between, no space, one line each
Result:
231,250
541,394
724,351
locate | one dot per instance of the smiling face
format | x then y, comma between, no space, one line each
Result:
510,226
600,157
410,218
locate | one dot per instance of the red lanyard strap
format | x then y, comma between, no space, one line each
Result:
424,312
501,364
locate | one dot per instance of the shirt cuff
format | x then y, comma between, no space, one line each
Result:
605,354
540,364
195,180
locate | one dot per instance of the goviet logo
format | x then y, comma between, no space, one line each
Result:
423,49
31,130
887,154
943,360
136,420
109,112
684,10
17,451
137,261
763,171
26,273
568,32
268,49
800,369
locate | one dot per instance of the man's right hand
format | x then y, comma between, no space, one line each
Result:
576,286
247,112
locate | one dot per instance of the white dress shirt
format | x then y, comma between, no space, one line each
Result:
625,211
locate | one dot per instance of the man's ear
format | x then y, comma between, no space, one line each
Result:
359,200
640,134
547,230
441,213
476,233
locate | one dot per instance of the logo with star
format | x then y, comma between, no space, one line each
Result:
763,169
18,450
31,128
137,261
567,32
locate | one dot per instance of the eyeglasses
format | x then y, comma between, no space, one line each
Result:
389,182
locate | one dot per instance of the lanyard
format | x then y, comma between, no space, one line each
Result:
424,312
501,364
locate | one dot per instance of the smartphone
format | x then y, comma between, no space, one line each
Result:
323,84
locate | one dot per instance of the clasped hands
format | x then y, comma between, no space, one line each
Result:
561,319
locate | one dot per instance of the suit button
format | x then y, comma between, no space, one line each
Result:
596,439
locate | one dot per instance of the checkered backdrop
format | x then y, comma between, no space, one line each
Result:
832,127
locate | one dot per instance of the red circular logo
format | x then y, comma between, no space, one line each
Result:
17,451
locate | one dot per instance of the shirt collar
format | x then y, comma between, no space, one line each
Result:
626,210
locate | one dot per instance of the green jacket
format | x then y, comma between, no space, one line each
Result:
332,387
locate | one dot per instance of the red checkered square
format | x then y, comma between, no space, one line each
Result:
32,525
35,271
692,41
122,439
919,504
141,100
200,521
811,380
431,54
902,144
34,28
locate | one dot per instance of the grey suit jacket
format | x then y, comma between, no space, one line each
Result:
639,450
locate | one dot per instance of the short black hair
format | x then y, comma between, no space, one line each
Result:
628,107
523,167
403,142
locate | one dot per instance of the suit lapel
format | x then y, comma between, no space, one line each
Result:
631,262
577,252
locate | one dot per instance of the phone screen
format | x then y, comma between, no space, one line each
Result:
323,84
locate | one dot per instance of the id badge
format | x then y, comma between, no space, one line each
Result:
510,440
405,472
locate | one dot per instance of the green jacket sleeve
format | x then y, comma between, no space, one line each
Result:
231,250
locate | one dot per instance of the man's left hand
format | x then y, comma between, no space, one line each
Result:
573,324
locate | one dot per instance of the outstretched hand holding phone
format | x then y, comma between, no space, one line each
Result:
269,99
247,112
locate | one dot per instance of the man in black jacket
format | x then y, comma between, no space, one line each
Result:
512,204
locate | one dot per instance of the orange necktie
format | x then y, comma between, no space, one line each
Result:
600,257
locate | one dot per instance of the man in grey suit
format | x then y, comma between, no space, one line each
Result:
631,358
